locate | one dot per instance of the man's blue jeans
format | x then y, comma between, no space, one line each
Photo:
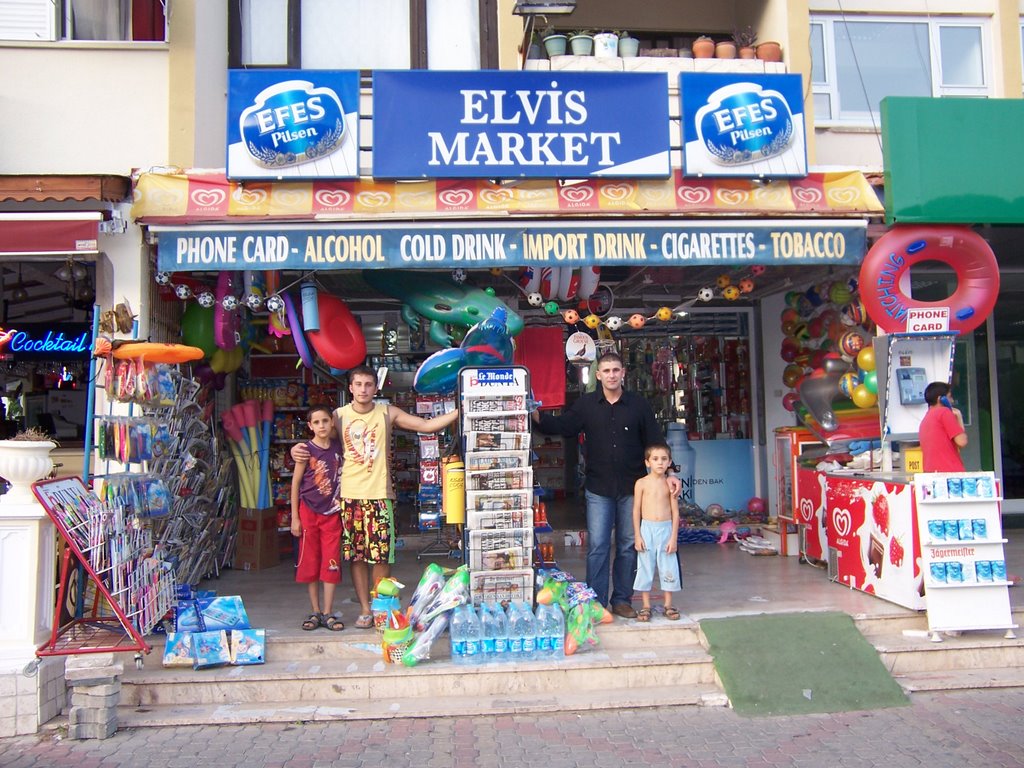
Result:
603,514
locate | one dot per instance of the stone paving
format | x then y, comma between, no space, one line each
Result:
949,730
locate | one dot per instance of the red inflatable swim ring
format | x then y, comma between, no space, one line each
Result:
339,341
895,252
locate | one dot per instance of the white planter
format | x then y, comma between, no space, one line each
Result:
606,45
22,462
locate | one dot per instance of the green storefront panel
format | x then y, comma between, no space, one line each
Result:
953,160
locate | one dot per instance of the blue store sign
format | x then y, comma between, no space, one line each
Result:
297,124
506,125
515,244
743,125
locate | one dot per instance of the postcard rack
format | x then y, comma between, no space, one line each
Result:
114,548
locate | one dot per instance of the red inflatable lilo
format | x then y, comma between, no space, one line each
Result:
895,252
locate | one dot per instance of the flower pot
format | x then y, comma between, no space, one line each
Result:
746,52
22,462
703,49
534,51
628,47
554,45
581,45
769,51
606,45
725,50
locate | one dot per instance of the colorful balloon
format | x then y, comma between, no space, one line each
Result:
789,400
839,293
863,397
866,359
197,328
847,383
871,381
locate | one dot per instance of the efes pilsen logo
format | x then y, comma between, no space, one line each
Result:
741,123
291,123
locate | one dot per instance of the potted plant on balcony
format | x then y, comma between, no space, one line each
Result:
554,42
725,49
581,42
606,45
629,46
769,50
703,48
745,38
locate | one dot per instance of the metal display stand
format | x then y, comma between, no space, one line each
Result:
495,426
113,549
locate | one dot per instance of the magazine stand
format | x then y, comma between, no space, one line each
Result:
115,554
495,426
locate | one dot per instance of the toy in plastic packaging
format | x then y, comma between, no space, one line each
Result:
226,612
178,650
431,584
397,637
420,648
210,649
454,593
248,646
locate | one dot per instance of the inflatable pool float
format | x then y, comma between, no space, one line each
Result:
339,340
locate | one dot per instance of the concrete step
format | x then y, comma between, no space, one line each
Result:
962,679
342,681
409,707
905,654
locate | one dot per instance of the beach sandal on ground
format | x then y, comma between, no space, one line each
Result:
364,622
315,621
333,623
644,614
672,614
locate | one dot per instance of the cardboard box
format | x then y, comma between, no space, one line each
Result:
257,547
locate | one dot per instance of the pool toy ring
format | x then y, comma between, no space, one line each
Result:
964,250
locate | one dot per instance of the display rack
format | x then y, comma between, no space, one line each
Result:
495,426
959,523
114,547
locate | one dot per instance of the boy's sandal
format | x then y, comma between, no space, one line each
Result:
315,621
364,622
333,623
672,614
644,614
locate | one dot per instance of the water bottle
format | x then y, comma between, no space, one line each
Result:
529,633
488,624
543,638
501,653
515,632
685,457
457,633
473,634
556,631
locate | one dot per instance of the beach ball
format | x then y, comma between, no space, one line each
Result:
664,314
871,381
789,400
637,321
705,294
714,510
850,343
854,313
812,295
866,359
839,293
791,374
534,299
593,321
723,281
731,292
789,314
816,327
756,505
613,323
863,397
758,269
847,383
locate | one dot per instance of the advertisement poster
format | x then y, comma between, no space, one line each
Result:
519,125
873,528
294,124
743,124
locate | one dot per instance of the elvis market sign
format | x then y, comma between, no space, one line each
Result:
513,244
296,124
742,125
506,125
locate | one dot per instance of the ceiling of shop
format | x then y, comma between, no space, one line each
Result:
46,297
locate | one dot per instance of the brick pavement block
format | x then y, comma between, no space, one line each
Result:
92,730
88,661
99,716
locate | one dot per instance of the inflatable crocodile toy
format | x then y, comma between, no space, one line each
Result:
440,300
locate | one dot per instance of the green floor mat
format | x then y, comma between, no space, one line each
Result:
798,663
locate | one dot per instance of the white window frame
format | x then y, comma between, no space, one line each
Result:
50,21
830,87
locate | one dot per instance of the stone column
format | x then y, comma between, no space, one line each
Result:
27,591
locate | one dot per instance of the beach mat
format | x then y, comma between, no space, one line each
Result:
799,663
